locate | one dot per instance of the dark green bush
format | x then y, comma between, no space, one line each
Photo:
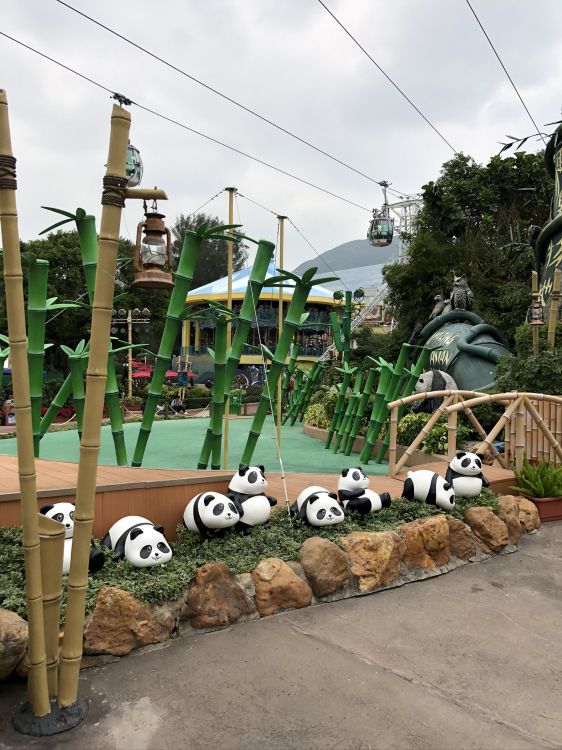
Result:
436,442
539,480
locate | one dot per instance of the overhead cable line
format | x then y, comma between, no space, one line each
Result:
216,91
388,78
187,127
505,71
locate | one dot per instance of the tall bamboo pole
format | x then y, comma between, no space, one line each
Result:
114,185
353,427
218,389
231,192
281,220
338,407
36,312
15,308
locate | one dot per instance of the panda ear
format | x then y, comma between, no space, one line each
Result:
159,528
344,472
45,509
135,533
312,499
332,495
359,469
242,469
208,499
460,454
262,468
480,456
447,486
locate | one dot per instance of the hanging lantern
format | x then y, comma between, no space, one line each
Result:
133,166
535,314
152,259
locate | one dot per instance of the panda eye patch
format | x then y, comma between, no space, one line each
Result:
145,551
59,517
218,509
321,513
478,463
252,477
232,507
465,462
356,476
162,547
336,511
71,514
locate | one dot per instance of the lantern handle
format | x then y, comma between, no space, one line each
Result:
137,265
169,250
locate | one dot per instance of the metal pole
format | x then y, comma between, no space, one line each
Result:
130,354
231,191
280,328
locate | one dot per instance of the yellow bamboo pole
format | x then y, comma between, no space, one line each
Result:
540,436
281,220
535,298
231,192
452,419
543,428
38,691
197,343
554,303
519,433
425,430
502,460
502,421
114,185
392,442
51,534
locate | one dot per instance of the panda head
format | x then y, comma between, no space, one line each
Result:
217,511
467,464
63,513
249,480
353,479
323,509
445,497
146,546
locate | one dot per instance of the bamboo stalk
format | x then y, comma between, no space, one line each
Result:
218,396
246,317
349,412
543,428
112,202
348,373
360,411
76,364
182,278
558,424
51,535
423,433
393,442
15,308
36,315
540,436
289,373
377,411
452,418
290,325
503,461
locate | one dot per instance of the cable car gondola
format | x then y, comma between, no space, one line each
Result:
381,226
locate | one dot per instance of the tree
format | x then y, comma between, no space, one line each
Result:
213,258
472,221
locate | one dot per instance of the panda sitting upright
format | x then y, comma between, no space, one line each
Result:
353,492
64,513
247,491
465,474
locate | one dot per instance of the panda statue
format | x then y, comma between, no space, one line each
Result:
139,541
432,380
316,506
354,493
64,513
247,492
465,474
428,487
210,514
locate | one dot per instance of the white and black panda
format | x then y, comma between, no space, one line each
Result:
465,474
426,486
247,491
210,514
318,507
432,380
139,541
64,513
354,493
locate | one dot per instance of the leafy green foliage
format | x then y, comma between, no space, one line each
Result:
370,344
436,442
539,480
527,372
315,415
241,553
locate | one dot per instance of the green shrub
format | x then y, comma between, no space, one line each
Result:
315,415
254,390
198,392
436,442
319,395
132,401
539,480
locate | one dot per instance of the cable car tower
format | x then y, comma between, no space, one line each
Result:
381,226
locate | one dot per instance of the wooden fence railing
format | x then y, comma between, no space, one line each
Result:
531,423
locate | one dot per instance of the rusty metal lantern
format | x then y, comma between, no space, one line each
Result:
152,259
535,314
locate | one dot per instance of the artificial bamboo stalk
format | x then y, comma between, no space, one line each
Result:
519,434
338,406
349,412
246,317
36,312
377,411
306,392
113,401
551,439
292,320
38,690
452,420
76,365
393,430
218,396
4,354
114,185
51,534
289,370
360,412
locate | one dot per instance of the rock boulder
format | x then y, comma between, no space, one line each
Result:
325,565
426,542
215,598
461,541
13,641
528,514
278,587
375,557
490,531
508,511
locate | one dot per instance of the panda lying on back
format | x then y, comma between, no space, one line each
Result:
465,474
354,493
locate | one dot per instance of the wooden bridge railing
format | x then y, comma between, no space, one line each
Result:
532,425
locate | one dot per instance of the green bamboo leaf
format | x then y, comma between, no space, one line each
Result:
211,352
308,274
67,350
60,211
267,352
304,317
290,275
54,226
326,280
81,346
80,214
47,346
5,339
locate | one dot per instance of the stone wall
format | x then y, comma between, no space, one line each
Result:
216,597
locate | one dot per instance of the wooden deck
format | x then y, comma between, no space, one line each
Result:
162,494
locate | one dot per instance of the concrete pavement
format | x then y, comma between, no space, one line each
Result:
470,660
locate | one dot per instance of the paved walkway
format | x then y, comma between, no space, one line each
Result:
467,661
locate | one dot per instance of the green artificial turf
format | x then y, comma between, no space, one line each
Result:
176,444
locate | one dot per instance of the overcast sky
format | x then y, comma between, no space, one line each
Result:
289,61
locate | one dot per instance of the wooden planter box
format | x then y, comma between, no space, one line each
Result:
550,508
